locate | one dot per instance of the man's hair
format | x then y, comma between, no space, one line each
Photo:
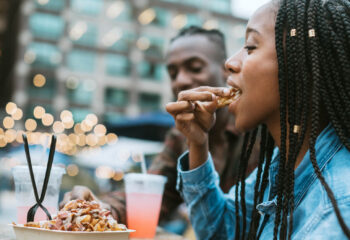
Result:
313,50
213,35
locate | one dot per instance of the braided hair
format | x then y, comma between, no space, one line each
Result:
313,50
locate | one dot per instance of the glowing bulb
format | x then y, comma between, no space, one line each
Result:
39,80
3,141
68,125
147,16
73,138
47,119
43,2
102,140
100,130
65,115
104,172
118,175
30,124
77,129
179,21
72,170
8,122
92,118
10,135
112,138
11,108
19,137
18,114
143,43
86,126
210,24
81,141
39,112
91,139
58,127
115,9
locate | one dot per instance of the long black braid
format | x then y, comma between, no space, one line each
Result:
314,84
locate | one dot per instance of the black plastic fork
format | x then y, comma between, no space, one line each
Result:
34,208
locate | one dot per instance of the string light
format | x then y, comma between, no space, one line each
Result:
118,175
10,135
18,114
11,108
92,118
30,124
58,127
65,115
102,140
179,21
112,138
77,129
143,43
19,137
91,140
3,141
100,130
147,16
39,112
72,170
47,119
8,122
39,80
104,172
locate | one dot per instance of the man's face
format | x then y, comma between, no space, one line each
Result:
193,61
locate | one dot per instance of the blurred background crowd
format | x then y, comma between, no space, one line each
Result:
92,72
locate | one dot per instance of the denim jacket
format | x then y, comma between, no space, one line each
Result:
212,212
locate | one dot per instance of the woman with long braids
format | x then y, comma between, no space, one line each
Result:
293,76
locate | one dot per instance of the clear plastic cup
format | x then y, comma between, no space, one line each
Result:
25,194
143,201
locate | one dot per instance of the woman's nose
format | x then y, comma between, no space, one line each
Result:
233,65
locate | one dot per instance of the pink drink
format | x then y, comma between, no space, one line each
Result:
143,213
39,215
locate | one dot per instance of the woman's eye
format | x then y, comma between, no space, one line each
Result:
250,48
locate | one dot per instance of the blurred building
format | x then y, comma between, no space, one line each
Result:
102,56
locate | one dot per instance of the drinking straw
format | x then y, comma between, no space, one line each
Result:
143,164
33,209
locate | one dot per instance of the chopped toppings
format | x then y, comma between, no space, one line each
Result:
80,215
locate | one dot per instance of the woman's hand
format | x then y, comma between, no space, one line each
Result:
83,193
194,115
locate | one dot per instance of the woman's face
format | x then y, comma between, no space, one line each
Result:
254,71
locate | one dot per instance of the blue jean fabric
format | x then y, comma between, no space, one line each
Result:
212,212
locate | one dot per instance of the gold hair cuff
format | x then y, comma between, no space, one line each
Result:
296,129
293,32
312,33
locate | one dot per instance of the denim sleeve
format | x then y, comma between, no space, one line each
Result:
212,213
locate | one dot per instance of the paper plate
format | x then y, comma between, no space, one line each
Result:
30,233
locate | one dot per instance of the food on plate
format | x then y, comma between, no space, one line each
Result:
224,101
81,215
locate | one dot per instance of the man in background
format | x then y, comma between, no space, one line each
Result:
195,58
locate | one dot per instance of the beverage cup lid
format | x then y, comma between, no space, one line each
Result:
149,178
23,170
